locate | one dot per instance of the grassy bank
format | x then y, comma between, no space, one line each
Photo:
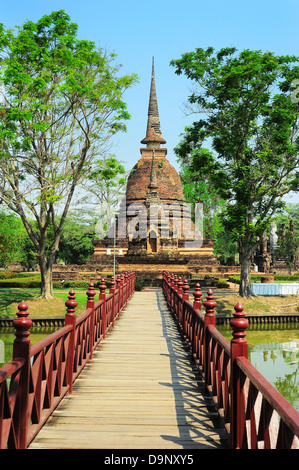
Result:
10,298
257,305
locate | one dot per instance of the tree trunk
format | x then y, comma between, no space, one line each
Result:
245,288
46,269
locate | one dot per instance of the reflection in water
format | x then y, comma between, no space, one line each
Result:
274,351
279,364
7,338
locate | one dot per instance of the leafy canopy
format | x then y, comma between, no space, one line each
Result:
61,103
246,137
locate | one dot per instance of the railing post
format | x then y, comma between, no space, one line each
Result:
175,297
185,290
239,347
131,283
168,287
102,296
210,320
118,282
122,290
172,292
90,304
112,291
21,350
127,287
70,319
185,317
180,286
197,297
175,282
180,301
210,305
197,294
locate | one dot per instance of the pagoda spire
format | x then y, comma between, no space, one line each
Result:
153,137
152,196
153,186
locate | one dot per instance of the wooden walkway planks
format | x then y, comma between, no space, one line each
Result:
141,391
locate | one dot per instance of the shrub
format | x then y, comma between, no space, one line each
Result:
221,283
12,275
26,282
138,285
277,277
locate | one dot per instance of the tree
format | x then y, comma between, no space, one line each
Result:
197,189
250,124
104,186
108,180
12,235
290,212
75,245
288,240
62,104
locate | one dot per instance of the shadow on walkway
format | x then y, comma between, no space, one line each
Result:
197,417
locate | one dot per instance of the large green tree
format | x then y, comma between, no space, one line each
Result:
248,121
103,189
12,239
62,102
75,245
197,189
288,237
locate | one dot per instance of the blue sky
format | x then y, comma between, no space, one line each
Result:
137,30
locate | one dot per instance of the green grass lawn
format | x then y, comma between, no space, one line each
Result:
11,297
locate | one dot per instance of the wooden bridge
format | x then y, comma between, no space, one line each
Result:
140,391
140,370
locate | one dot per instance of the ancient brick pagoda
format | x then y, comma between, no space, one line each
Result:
161,237
166,242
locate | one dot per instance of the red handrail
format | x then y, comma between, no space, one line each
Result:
39,376
255,414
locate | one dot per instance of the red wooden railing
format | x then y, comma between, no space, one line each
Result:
254,413
39,376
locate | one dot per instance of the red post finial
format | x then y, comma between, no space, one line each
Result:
102,287
180,286
185,290
90,304
102,296
239,347
71,304
210,305
22,324
175,280
112,291
70,319
239,324
21,349
90,294
197,297
112,284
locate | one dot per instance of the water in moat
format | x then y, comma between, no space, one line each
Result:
273,350
7,338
